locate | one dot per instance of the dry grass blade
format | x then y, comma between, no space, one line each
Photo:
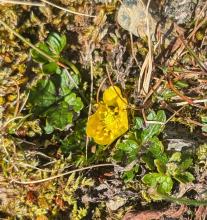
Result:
146,70
194,101
144,66
22,3
61,175
154,88
38,50
67,10
147,78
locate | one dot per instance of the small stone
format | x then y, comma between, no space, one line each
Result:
132,17
180,11
116,203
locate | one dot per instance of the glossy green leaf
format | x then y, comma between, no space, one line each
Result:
148,160
130,174
70,99
56,43
138,123
130,147
157,150
48,128
78,105
59,116
156,128
74,101
176,157
161,167
167,94
161,182
185,177
66,84
53,46
172,168
185,164
39,58
43,94
49,68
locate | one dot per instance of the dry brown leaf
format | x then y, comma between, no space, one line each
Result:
201,213
153,215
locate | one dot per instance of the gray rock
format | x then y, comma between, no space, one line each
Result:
132,16
180,11
116,203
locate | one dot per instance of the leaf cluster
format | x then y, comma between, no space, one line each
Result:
53,96
143,144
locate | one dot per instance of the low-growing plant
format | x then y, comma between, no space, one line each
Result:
142,144
139,136
53,97
174,168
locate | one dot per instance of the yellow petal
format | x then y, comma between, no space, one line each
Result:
110,95
122,103
91,124
107,124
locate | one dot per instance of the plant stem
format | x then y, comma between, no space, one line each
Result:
38,50
184,200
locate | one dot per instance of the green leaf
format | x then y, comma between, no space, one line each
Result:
74,101
130,147
59,116
138,123
185,177
52,47
167,94
176,157
161,167
56,43
42,95
157,150
78,105
181,84
49,68
156,128
185,164
70,99
130,174
66,84
39,58
201,152
48,128
75,141
162,183
149,160
172,168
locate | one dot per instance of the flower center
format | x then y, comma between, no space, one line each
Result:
109,117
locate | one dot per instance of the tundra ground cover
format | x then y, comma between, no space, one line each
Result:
97,123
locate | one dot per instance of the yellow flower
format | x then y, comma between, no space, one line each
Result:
110,120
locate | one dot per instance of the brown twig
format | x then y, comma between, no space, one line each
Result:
183,97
